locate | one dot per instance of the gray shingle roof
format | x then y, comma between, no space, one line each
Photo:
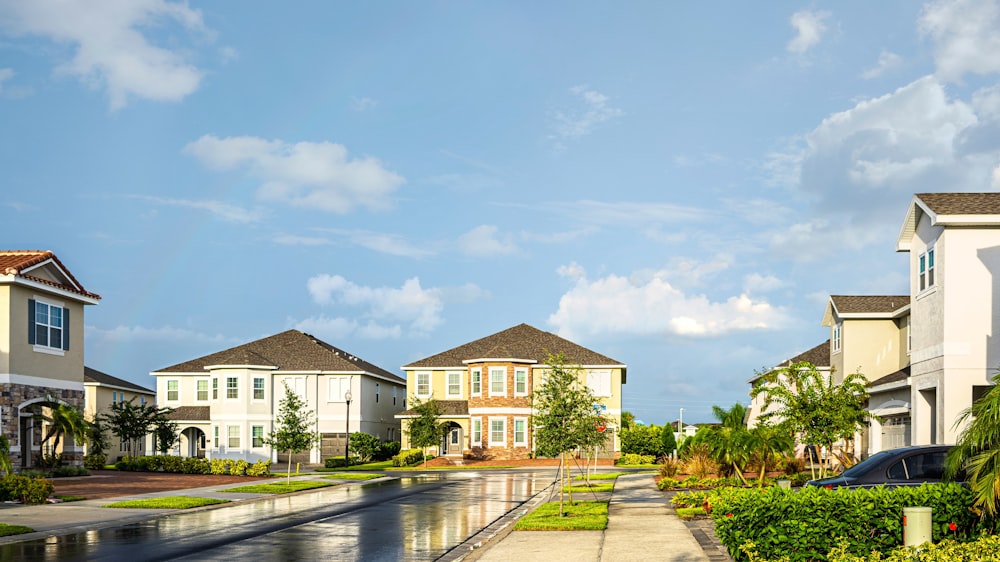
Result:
962,203
288,351
819,356
520,342
190,413
447,408
95,376
900,375
869,303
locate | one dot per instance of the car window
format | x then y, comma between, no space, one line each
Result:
863,466
898,471
927,466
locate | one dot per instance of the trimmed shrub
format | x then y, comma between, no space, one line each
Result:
337,462
172,464
259,468
642,440
221,466
193,465
365,446
948,550
388,450
668,484
239,467
807,524
408,457
95,461
632,458
67,471
26,489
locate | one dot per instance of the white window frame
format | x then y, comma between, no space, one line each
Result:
215,388
909,337
520,372
926,264
417,384
176,390
476,435
523,442
215,436
394,390
235,388
49,326
253,436
377,390
599,382
230,437
503,430
336,388
503,380
198,390
457,385
836,340
477,382
263,389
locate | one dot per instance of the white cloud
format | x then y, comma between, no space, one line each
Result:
757,283
626,212
809,28
581,121
304,174
391,310
362,104
132,334
111,49
887,61
690,272
224,211
483,241
966,36
293,240
465,182
620,305
391,244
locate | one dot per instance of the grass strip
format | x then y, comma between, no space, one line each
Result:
473,467
70,498
354,476
277,488
8,530
581,516
169,502
578,488
690,512
601,476
369,466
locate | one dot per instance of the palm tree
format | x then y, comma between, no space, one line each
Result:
729,441
770,442
63,420
978,450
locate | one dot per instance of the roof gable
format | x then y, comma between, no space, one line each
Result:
865,307
949,209
288,351
41,267
94,376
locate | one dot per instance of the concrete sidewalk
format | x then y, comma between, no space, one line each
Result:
641,526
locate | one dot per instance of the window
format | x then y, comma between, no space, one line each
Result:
498,381
926,274
520,382
114,396
203,390
336,388
477,432
215,435
376,392
477,382
454,384
257,434
46,323
173,390
498,432
232,387
215,389
298,385
423,384
394,389
520,432
835,341
599,382
142,400
233,432
258,388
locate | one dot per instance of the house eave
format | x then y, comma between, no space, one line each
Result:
50,289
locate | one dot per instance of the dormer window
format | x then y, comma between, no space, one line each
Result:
47,326
926,269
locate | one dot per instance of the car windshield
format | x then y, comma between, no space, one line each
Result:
863,466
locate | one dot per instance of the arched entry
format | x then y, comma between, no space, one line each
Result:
31,431
452,440
192,443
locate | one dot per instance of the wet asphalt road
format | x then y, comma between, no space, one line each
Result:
419,517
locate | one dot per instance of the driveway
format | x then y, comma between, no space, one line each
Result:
103,484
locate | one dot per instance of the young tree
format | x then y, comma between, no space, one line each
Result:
564,414
978,450
628,419
63,420
294,425
770,442
365,445
165,433
131,423
425,430
729,441
667,439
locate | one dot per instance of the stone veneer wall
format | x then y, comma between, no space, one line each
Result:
12,396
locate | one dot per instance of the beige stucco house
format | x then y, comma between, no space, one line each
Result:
954,244
484,388
41,348
101,391
226,403
818,356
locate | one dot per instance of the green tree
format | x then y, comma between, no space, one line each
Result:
293,427
667,439
628,420
62,420
132,422
5,464
642,440
564,415
425,429
977,451
365,446
97,437
769,443
165,433
811,405
729,441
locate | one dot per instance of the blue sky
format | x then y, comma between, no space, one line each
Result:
679,186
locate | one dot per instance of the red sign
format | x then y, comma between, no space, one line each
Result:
601,426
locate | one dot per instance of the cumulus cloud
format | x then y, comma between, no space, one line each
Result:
483,241
887,61
809,27
224,211
362,104
620,305
112,48
592,110
965,35
314,175
758,283
387,310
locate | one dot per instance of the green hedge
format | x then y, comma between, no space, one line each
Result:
25,489
984,548
808,523
192,465
408,457
632,458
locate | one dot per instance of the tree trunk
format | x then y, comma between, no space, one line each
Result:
288,477
562,459
739,473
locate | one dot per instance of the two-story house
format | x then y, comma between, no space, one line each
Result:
226,403
101,391
41,348
954,244
759,406
484,389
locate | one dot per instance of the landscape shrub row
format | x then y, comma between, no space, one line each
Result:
695,483
809,523
25,489
191,465
408,457
95,461
633,458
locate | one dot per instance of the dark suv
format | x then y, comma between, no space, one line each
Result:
907,466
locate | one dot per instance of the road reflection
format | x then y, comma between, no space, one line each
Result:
417,517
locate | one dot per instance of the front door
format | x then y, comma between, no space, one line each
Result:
455,441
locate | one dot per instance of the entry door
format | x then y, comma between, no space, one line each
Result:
455,441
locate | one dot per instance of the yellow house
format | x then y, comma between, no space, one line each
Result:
484,389
102,390
41,348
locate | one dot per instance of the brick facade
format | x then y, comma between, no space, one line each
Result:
12,397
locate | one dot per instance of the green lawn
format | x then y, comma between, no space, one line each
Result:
7,530
276,488
690,512
581,516
577,488
70,498
169,502
479,467
353,476
369,466
601,476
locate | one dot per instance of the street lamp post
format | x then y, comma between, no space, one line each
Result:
347,442
680,429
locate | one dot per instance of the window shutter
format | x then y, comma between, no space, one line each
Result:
65,328
31,321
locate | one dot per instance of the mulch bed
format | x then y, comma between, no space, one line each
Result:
103,484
